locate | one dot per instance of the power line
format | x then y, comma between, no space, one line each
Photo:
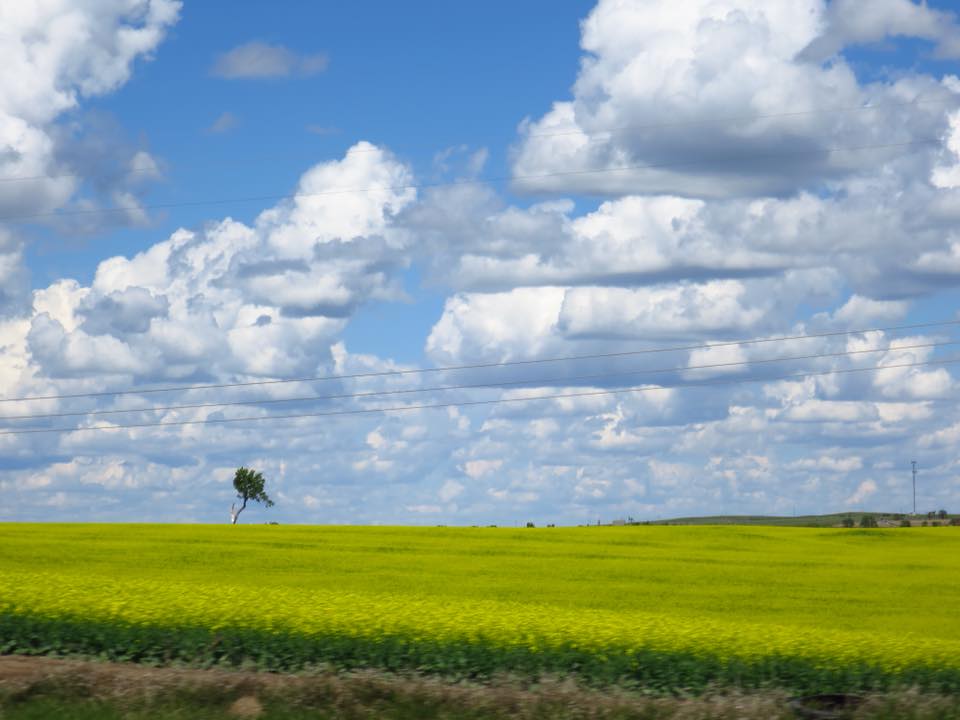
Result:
509,383
19,219
479,366
469,403
553,133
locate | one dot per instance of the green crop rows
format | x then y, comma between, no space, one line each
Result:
662,608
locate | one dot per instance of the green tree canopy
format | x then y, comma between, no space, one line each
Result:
249,486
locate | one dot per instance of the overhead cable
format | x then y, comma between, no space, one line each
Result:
711,120
451,183
475,386
470,403
479,366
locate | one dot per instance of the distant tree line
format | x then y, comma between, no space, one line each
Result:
933,519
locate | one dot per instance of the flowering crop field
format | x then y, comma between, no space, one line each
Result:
660,608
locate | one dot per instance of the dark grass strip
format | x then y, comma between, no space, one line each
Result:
648,671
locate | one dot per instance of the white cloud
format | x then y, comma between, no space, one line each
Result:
815,245
946,174
864,490
198,302
13,276
848,22
945,437
504,325
478,468
53,55
259,60
939,262
591,489
224,123
665,474
713,99
376,440
864,312
672,310
917,383
805,244
424,509
450,490
829,464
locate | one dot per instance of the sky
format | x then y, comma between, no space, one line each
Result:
478,263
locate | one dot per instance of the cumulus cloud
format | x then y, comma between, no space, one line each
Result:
852,239
261,60
785,238
224,301
285,285
732,108
54,55
507,325
946,174
13,276
848,22
188,309
859,311
121,313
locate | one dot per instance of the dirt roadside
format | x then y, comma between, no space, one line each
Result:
246,694
355,694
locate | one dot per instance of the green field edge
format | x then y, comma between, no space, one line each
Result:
646,670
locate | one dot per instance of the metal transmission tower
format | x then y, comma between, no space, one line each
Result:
914,464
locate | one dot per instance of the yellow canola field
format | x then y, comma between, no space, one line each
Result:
888,598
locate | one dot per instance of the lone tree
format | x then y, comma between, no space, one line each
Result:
249,486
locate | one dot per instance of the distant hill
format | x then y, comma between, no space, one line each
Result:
830,520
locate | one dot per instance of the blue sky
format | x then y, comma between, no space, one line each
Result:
681,175
419,79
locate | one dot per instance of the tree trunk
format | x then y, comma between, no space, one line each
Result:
235,511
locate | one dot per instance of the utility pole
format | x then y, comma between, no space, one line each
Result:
914,464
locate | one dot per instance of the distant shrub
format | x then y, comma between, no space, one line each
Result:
924,524
868,521
905,523
955,521
935,523
530,524
849,522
